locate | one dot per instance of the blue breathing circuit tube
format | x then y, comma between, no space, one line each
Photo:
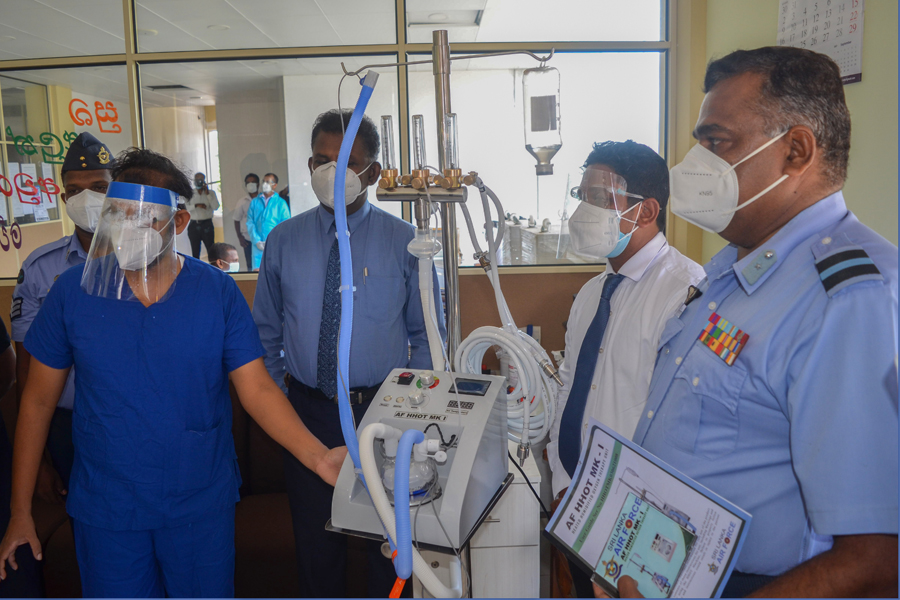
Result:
348,426
404,551
343,236
404,561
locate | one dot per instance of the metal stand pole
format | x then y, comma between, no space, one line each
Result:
441,61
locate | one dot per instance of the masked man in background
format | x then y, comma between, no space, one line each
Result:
85,176
155,480
266,211
251,186
297,308
618,316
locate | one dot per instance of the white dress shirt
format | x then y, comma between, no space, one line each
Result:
240,214
655,286
211,200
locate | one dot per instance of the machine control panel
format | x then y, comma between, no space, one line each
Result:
477,463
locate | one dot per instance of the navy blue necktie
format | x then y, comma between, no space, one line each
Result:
573,415
326,364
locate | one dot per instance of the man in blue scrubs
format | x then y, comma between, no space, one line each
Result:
155,477
297,309
777,386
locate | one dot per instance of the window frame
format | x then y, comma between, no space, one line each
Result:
132,59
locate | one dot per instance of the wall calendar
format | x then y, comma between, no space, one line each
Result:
832,27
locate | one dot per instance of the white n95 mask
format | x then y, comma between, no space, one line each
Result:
84,209
323,184
704,188
136,246
251,188
594,231
266,187
234,267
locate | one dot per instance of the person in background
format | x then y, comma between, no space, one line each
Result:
251,186
618,316
86,173
297,308
154,483
776,387
286,196
202,204
25,581
266,211
224,257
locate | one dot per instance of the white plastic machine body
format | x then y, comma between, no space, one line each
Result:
474,471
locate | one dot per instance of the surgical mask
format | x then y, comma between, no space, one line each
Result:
704,188
594,232
84,209
234,267
136,245
251,188
267,187
323,183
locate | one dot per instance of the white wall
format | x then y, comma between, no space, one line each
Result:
251,126
178,132
871,188
593,108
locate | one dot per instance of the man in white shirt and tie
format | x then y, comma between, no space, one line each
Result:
618,317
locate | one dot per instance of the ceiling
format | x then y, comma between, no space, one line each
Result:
47,28
50,28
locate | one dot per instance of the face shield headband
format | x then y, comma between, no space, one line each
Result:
132,256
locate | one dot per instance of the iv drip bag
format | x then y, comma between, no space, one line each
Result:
542,122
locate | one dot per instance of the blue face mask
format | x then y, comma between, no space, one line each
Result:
594,232
624,238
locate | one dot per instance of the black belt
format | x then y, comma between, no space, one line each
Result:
357,395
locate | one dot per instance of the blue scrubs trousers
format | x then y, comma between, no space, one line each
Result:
191,561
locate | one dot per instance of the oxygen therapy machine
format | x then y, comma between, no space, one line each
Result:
429,460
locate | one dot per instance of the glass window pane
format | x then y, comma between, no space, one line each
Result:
603,96
176,25
43,111
469,21
51,28
262,113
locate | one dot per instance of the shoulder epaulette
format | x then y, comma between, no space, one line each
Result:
46,249
843,264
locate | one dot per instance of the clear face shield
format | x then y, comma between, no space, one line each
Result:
595,207
133,255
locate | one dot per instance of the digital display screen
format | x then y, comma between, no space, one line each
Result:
471,387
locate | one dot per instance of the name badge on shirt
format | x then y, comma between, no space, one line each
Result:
723,338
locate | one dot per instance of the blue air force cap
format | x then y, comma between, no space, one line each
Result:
87,153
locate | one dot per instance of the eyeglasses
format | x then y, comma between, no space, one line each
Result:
601,196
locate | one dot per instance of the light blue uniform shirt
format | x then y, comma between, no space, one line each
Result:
802,430
39,272
387,308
